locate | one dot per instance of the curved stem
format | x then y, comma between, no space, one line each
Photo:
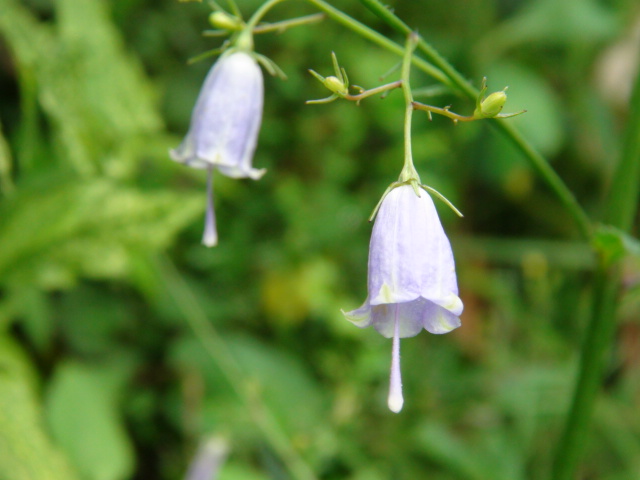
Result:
284,24
537,161
261,12
409,172
549,175
373,36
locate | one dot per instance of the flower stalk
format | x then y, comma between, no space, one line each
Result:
455,79
409,172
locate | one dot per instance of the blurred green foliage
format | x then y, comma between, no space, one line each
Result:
103,282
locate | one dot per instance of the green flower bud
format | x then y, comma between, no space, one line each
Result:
492,105
336,85
224,21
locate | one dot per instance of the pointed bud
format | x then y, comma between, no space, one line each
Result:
224,21
336,85
492,105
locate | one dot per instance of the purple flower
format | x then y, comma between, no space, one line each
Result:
412,279
225,125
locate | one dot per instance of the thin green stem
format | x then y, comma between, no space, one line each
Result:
244,40
261,12
234,8
549,175
374,91
246,390
537,161
373,36
409,172
621,211
452,75
285,24
625,187
443,111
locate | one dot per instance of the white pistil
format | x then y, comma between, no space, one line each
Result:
210,236
395,400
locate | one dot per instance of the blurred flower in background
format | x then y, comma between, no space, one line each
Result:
224,126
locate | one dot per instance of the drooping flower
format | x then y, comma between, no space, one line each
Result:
412,280
224,126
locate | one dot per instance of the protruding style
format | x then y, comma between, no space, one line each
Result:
225,125
412,279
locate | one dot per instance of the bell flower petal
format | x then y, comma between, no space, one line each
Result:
412,279
224,127
226,119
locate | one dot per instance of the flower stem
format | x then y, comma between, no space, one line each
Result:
621,211
285,24
245,38
374,91
537,161
409,172
261,12
443,111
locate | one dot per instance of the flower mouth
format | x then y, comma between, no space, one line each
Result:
412,317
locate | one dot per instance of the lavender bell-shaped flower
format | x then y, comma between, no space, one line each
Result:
224,126
412,280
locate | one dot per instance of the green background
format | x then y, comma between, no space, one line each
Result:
124,342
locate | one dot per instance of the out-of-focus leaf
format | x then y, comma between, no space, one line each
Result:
82,411
35,310
6,184
112,82
493,457
282,383
443,447
26,453
615,244
290,296
109,316
95,94
237,471
551,22
58,231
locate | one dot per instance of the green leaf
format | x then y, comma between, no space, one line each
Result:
57,231
26,453
82,411
277,376
97,96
